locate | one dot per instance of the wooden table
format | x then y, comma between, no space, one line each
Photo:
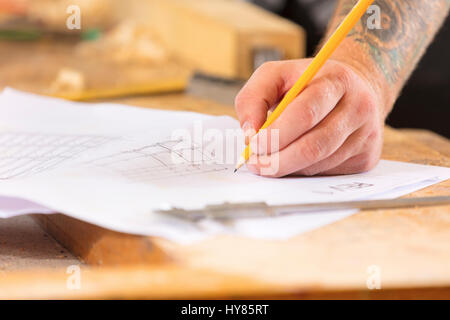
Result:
410,248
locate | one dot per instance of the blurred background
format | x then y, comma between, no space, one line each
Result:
206,48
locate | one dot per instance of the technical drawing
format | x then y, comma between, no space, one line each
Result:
163,160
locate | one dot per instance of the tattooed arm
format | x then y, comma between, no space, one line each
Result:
335,126
389,54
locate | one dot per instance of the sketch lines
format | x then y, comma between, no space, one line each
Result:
163,160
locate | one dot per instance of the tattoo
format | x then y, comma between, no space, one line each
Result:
407,27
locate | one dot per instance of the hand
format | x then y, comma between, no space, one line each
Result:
335,126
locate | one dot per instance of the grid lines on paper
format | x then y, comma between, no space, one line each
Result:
24,154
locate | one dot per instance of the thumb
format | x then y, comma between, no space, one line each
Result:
257,97
264,90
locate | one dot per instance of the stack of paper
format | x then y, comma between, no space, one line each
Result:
114,166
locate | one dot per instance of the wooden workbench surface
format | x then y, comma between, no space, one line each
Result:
410,248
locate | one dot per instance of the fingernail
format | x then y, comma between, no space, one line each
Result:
259,143
271,110
249,131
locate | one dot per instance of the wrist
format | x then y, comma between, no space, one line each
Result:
354,56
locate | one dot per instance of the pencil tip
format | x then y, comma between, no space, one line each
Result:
240,164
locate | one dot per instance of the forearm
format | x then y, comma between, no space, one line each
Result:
386,57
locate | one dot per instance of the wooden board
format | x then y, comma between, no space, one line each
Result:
179,283
219,37
410,246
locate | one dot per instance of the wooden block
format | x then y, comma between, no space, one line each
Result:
220,37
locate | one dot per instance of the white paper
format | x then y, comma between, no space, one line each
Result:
114,166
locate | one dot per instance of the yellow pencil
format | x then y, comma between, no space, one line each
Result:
324,54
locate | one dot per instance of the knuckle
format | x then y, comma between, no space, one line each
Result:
335,86
345,77
313,150
321,91
367,163
374,136
267,66
309,115
367,105
340,128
